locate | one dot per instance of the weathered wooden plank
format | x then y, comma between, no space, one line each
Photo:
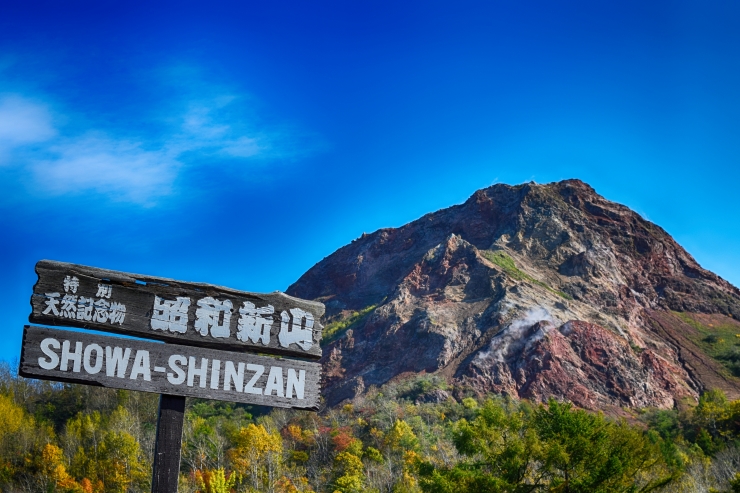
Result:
166,467
175,311
173,369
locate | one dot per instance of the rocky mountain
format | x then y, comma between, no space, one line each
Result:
531,291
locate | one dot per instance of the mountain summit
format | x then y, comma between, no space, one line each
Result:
531,291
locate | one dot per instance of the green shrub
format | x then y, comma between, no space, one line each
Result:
507,264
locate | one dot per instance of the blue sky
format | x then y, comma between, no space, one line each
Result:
241,143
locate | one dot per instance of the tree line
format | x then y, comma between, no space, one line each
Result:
405,437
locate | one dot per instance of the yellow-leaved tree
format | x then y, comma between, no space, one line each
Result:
121,464
11,417
351,473
215,481
402,444
54,475
19,437
257,455
108,456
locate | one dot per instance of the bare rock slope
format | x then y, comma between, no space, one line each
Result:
532,291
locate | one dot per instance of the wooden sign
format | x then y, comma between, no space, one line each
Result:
62,355
215,332
187,313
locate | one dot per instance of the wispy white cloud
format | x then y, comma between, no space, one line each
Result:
204,127
212,131
198,120
122,169
22,122
243,147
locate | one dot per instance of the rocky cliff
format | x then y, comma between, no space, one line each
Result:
532,291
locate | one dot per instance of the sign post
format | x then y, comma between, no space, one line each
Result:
166,467
212,336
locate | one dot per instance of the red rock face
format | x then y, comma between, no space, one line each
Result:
534,291
583,363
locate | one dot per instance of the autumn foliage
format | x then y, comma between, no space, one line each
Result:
79,439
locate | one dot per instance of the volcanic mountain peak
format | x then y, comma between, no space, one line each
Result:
532,290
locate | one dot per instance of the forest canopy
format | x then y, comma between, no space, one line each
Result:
408,436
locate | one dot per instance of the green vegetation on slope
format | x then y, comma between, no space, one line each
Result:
720,341
507,264
335,329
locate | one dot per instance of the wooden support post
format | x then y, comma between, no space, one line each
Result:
169,442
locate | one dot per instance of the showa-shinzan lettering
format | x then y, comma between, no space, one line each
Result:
213,317
116,362
84,308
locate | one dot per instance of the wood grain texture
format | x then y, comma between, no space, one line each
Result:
166,467
137,293
168,368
